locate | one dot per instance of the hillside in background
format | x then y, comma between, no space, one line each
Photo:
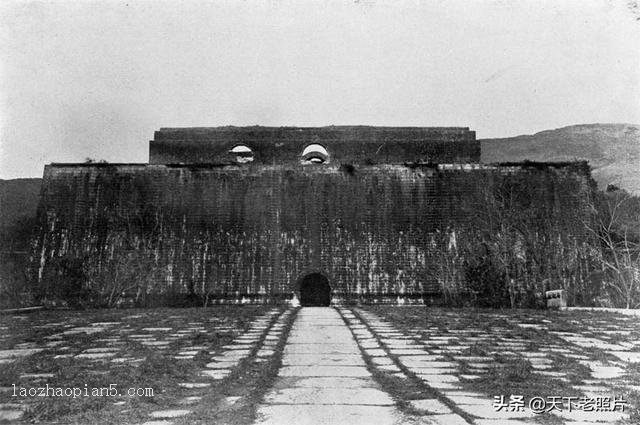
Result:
613,151
18,199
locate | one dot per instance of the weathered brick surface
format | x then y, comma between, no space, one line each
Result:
253,231
346,145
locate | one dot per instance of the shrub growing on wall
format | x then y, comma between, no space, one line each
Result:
486,282
64,282
524,234
14,258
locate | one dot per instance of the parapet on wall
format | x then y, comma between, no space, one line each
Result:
346,144
232,232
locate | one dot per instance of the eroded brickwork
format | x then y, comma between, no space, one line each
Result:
346,145
251,232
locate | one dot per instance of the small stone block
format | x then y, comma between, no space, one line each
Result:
215,374
190,400
191,385
445,419
169,413
221,365
556,298
430,405
10,415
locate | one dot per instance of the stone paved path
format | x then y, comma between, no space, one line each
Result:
435,357
223,363
339,365
208,344
324,379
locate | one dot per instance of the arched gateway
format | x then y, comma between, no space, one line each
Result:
315,290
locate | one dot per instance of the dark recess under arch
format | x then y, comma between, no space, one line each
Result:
315,290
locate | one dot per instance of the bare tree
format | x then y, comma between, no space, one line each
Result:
617,228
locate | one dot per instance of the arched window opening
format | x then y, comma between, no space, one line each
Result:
315,154
242,153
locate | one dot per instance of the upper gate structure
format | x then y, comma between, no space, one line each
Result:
254,214
344,144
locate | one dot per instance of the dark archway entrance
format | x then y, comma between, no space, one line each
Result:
315,290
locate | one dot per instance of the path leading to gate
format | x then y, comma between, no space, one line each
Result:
324,378
346,365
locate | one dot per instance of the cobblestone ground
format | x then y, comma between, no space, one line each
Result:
373,365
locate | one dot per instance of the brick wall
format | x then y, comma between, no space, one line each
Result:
346,145
252,232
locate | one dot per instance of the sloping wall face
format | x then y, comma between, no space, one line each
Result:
346,145
229,234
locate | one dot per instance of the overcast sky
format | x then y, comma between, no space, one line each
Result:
95,79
